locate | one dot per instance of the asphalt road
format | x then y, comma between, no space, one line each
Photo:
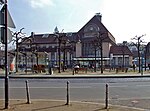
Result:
126,91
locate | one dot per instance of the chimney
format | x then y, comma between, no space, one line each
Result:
32,34
99,16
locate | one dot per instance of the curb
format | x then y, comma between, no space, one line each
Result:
74,76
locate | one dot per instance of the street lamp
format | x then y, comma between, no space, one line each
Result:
123,51
59,53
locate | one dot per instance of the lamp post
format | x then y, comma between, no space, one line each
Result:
123,51
58,37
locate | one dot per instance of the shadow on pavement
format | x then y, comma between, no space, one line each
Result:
51,107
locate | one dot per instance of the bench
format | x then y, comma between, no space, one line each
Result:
121,69
39,68
81,69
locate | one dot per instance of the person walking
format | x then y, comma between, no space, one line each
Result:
76,68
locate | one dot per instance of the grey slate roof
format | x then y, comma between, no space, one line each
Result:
120,50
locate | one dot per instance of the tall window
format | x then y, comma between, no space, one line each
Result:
88,49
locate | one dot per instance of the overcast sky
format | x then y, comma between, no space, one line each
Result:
123,18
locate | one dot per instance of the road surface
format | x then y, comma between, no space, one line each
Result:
123,91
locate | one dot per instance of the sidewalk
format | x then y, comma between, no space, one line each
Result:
80,74
49,105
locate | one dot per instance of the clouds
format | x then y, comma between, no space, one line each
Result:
40,3
123,18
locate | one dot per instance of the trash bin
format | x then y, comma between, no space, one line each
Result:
11,67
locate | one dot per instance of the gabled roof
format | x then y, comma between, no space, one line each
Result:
97,20
120,50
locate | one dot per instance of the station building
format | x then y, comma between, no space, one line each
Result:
93,42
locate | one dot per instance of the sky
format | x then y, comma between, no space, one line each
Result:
124,19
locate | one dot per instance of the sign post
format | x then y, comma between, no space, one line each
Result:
6,21
6,59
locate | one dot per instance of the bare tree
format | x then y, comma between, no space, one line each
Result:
18,36
100,39
59,38
138,44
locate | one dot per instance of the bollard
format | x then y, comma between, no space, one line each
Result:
106,99
67,103
27,90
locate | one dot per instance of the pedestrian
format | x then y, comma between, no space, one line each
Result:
21,67
149,66
92,68
76,68
134,67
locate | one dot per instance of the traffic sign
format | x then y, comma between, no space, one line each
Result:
2,35
10,22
